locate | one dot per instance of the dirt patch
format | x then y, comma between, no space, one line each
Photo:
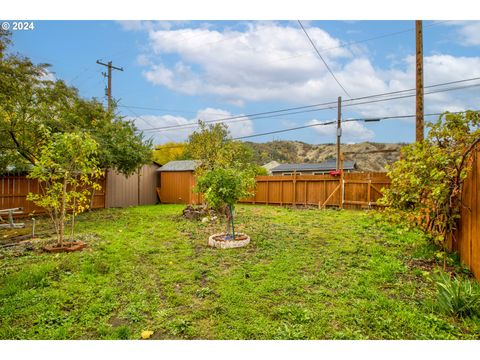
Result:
116,322
199,212
429,265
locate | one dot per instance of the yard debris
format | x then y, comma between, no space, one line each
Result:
198,212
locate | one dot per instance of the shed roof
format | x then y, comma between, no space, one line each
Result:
180,165
323,166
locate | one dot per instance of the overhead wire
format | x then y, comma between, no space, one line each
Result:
323,60
326,106
366,119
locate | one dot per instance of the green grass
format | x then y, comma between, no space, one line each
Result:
307,274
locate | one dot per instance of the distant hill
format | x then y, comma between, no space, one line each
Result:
369,156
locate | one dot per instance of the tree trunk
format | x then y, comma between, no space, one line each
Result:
227,213
233,224
73,220
63,210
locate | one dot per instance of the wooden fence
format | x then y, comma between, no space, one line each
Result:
467,237
137,189
352,190
14,191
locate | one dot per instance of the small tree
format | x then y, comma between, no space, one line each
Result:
66,169
212,144
427,182
223,187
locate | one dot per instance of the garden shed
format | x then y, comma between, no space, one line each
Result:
176,182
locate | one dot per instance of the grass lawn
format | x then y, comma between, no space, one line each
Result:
307,274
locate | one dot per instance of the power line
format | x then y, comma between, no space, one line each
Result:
145,120
304,106
330,123
334,122
283,112
321,57
165,109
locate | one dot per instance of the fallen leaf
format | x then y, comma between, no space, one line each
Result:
146,334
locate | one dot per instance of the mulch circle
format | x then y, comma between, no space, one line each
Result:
67,247
221,237
220,242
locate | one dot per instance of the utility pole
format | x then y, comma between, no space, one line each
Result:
109,76
419,131
339,130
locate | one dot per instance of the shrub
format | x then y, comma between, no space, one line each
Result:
427,182
457,296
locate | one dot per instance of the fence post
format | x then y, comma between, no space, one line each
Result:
305,192
294,188
342,182
255,193
268,190
369,190
281,193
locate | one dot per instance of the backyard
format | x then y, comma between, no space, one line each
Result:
307,274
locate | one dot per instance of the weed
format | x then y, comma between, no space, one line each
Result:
203,292
180,327
123,332
457,296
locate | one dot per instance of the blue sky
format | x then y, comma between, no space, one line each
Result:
179,71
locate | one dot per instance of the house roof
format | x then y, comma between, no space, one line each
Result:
323,166
180,165
271,165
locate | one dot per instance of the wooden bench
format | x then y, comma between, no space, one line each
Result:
10,213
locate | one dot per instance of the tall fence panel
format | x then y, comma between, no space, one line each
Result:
15,189
136,189
467,237
354,190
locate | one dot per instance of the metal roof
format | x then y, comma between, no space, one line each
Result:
323,166
180,165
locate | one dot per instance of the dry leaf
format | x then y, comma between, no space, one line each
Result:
146,334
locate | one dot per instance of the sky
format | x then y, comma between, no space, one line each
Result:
176,72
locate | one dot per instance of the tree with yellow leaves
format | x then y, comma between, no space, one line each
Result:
169,151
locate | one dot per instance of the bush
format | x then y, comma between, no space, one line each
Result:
457,296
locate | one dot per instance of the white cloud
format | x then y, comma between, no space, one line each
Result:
48,76
262,63
352,132
469,32
236,128
270,62
148,25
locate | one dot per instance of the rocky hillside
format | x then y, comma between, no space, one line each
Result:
369,156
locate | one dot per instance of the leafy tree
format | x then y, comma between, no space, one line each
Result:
214,147
30,103
223,187
427,181
226,173
169,151
66,168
